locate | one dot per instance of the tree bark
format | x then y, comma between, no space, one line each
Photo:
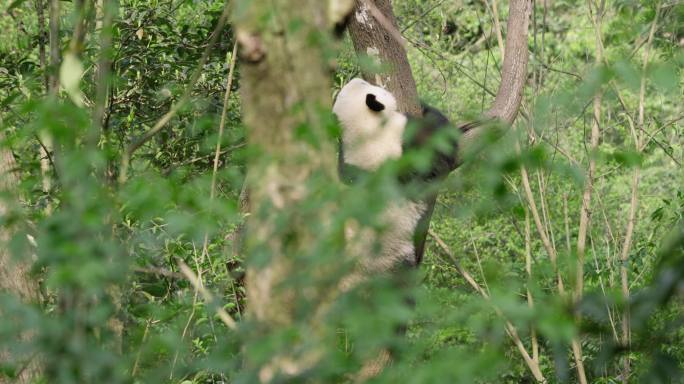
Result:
15,276
42,40
53,83
285,85
53,91
104,19
513,75
514,70
371,39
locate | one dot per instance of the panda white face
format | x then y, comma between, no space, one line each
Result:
362,105
372,128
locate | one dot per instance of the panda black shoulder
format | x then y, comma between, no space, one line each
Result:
422,130
434,117
425,126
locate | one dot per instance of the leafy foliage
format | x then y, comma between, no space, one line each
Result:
115,305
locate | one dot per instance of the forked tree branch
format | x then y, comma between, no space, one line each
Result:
371,38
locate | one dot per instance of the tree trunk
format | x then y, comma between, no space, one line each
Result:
53,82
372,39
42,40
514,70
285,85
14,274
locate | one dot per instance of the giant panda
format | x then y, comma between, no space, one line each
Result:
373,131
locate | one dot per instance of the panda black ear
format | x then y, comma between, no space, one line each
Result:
373,103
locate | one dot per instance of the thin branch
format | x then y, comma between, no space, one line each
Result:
422,15
422,47
45,138
585,210
633,206
597,270
54,47
208,297
44,151
479,264
136,363
158,272
106,11
195,298
528,270
541,184
510,328
548,246
40,10
493,9
566,221
222,124
564,72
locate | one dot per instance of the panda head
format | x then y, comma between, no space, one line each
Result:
372,127
362,108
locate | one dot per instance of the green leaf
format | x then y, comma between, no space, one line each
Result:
628,75
662,76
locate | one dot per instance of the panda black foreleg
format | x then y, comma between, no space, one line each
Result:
341,26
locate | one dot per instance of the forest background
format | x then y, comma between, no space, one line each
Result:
556,253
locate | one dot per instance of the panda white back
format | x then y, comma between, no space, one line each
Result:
372,127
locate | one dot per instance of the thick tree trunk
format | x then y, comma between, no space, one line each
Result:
14,274
514,70
285,85
370,38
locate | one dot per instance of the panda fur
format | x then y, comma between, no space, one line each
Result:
374,131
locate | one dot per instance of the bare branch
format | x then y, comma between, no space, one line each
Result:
493,8
532,363
54,47
222,125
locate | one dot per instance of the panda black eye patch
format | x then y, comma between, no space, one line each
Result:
373,103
